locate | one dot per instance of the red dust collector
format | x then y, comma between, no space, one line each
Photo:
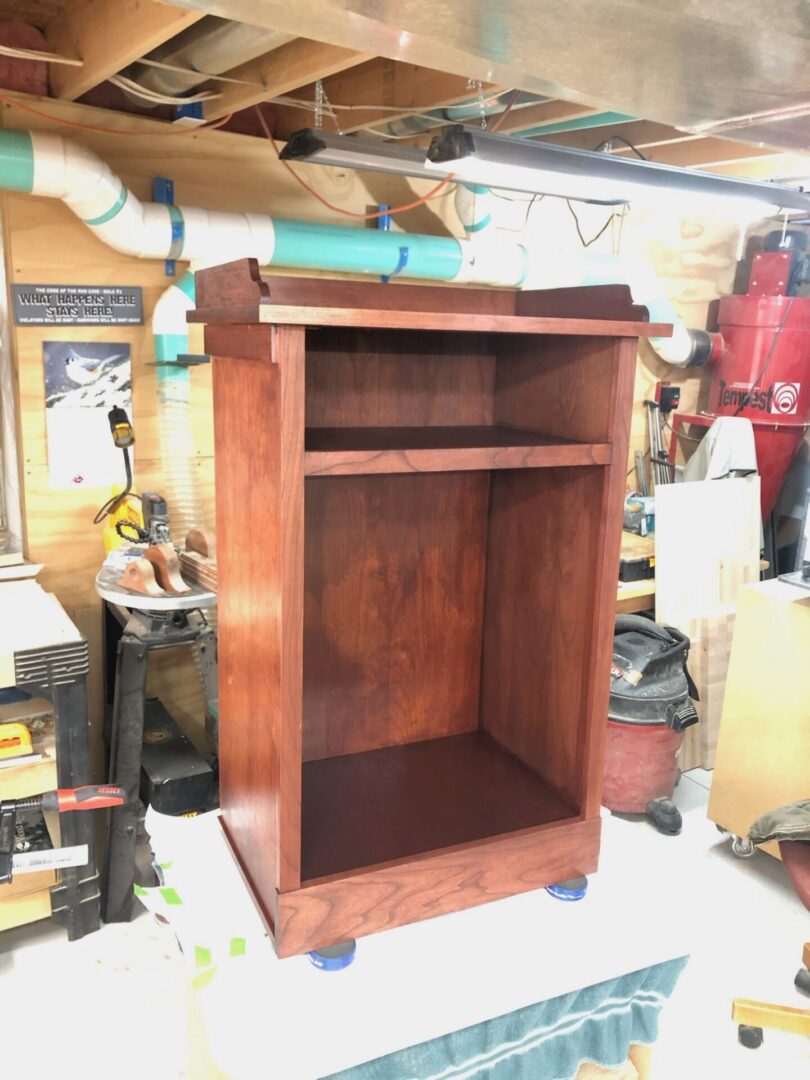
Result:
761,358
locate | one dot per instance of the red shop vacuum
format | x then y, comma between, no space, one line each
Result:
651,695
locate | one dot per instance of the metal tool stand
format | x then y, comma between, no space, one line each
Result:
178,620
59,672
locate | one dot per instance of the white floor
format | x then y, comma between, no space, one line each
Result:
118,1000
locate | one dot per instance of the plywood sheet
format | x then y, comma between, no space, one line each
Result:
763,750
707,542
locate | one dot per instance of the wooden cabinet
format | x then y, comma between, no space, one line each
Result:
419,506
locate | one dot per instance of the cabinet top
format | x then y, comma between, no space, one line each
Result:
236,293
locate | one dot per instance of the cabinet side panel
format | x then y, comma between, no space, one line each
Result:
391,378
259,433
608,547
541,578
394,576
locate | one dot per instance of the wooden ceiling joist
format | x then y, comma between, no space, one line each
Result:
403,89
107,35
544,112
664,144
640,133
279,72
703,153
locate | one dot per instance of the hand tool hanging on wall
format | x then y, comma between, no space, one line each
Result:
667,399
63,801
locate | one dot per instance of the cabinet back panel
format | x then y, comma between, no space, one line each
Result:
538,618
393,609
558,385
382,378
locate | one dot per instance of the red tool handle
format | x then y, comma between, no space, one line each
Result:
92,797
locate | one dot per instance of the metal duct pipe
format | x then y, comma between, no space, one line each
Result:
210,47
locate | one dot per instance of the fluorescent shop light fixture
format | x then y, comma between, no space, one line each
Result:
318,147
514,164
501,161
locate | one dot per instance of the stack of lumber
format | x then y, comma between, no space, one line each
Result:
198,563
707,545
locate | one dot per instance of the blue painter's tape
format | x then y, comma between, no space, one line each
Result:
334,957
569,890
178,232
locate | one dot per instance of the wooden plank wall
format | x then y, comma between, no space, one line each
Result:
45,242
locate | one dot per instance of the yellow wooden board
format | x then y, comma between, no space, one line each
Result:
20,910
763,749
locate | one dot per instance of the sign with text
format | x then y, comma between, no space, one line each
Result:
78,305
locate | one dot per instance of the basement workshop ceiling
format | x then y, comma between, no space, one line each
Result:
712,84
742,66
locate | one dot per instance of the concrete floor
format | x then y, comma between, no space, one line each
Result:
120,1001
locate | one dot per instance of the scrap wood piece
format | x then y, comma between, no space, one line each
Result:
203,541
199,570
139,577
164,559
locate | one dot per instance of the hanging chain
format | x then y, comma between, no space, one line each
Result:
319,96
322,103
478,86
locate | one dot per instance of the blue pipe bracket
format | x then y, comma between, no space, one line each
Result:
402,262
163,192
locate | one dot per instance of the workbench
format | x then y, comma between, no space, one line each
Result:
42,653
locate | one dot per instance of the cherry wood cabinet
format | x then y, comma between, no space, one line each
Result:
419,507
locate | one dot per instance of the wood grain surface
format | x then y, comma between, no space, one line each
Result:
383,378
362,809
541,577
394,582
607,553
347,451
237,293
241,287
365,903
259,430
471,323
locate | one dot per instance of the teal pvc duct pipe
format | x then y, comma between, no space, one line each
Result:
307,245
581,123
17,165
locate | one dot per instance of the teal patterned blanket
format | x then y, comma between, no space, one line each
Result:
546,1041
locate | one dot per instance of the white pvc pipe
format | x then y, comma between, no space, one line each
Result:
64,170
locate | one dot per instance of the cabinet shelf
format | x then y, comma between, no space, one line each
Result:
381,805
343,451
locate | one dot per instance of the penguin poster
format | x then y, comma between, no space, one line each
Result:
83,381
